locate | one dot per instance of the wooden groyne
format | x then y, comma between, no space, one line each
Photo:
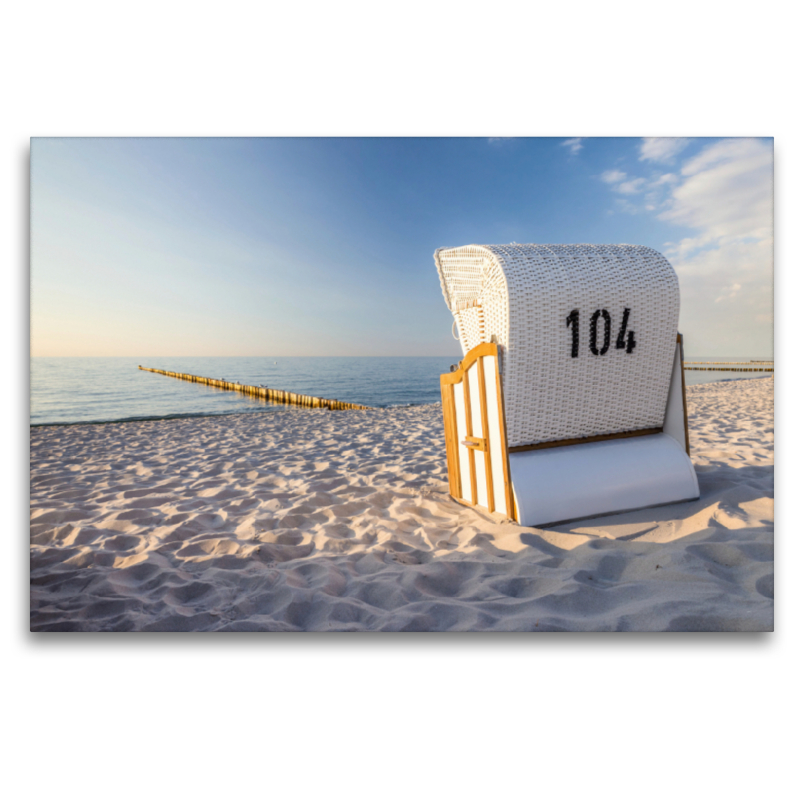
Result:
263,392
732,363
724,366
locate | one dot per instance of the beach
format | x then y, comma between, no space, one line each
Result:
313,520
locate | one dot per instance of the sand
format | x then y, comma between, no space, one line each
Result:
307,520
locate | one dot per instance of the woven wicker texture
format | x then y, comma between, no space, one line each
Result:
523,294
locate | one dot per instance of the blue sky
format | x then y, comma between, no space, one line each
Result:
172,247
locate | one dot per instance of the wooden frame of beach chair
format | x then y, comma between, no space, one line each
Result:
585,463
475,432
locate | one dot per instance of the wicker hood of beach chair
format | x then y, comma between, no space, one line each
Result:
581,346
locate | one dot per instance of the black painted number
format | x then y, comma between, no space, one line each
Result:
626,340
606,332
572,319
631,343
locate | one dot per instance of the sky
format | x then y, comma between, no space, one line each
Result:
324,246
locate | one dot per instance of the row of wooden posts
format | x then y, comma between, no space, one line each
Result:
731,363
731,369
273,395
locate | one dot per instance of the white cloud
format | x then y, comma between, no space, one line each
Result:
726,198
668,178
726,193
621,183
730,293
723,195
660,148
631,187
613,176
575,145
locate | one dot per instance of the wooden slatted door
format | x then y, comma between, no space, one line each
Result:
475,432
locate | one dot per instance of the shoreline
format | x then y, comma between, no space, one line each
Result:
168,417
281,407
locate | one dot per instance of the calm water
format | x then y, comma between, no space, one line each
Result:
693,377
65,390
104,389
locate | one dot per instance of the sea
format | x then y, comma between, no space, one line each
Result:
67,391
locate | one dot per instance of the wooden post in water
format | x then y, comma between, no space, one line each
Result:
731,369
730,366
274,395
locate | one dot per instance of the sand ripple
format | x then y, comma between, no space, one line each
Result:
311,520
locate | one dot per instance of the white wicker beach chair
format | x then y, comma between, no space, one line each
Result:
569,401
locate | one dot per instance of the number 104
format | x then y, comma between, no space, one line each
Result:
626,340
